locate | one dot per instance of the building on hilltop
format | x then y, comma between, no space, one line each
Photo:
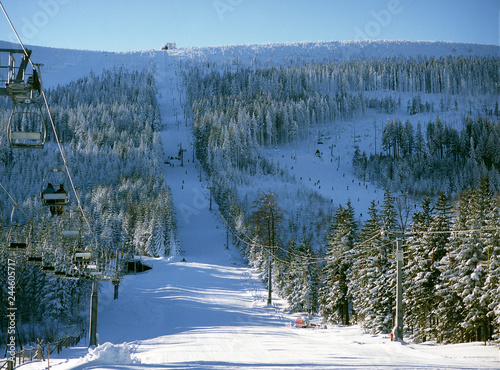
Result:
169,46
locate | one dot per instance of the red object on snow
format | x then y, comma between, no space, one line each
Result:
300,322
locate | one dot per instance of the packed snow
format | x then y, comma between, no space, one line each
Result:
204,308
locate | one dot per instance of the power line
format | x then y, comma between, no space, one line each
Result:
365,243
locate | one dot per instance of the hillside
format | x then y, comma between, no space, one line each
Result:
209,311
203,307
64,65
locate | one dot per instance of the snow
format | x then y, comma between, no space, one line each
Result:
204,308
109,353
330,175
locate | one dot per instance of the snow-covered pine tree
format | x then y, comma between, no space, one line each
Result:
449,309
438,238
56,300
156,247
491,237
471,285
388,212
386,277
335,303
462,309
288,279
418,284
301,287
365,271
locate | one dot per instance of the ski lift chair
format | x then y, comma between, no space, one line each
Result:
62,266
69,232
17,237
19,85
49,260
74,272
34,259
34,254
26,127
92,270
51,197
16,241
70,225
48,266
82,256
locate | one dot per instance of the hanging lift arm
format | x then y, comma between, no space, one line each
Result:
18,79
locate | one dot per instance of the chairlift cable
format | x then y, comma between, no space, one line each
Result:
15,32
14,201
65,163
53,127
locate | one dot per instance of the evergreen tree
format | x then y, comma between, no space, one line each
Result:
301,288
463,272
366,273
419,286
388,212
334,299
491,238
474,259
450,308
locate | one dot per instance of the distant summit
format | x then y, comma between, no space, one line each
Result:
169,46
65,65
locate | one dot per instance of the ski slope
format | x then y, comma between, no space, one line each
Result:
204,308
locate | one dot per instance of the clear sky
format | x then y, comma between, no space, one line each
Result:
123,25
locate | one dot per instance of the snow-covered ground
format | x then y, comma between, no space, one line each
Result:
330,172
203,308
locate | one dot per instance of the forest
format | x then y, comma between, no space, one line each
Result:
442,159
316,254
345,272
109,127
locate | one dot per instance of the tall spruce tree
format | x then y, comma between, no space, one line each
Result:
491,238
301,287
335,302
472,285
463,309
450,308
366,271
418,284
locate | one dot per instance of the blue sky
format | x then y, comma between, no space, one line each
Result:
124,25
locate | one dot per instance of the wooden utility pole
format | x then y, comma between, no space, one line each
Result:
181,154
116,283
210,189
269,280
398,328
116,280
93,314
266,218
271,231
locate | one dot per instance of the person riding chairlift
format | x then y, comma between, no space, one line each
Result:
60,209
50,190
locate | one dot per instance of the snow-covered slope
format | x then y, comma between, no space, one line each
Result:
272,54
204,308
64,65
